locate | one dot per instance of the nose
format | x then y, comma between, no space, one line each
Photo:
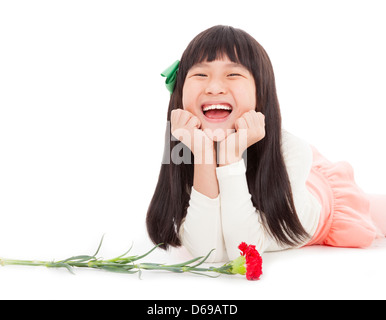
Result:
215,87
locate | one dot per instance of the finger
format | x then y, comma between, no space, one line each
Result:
241,124
185,117
177,120
261,118
248,117
174,118
257,119
193,122
175,115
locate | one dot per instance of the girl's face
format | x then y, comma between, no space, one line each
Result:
218,93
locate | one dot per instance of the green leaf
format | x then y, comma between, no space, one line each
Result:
81,258
100,245
184,264
147,253
206,258
205,274
117,269
60,265
122,255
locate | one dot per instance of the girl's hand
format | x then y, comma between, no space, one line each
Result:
186,128
250,128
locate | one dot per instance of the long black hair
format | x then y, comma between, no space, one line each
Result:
266,173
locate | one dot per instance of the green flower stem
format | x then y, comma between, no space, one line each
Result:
124,264
106,265
5,262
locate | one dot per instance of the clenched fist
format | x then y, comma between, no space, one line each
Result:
187,128
250,128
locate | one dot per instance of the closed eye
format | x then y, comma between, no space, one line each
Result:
200,75
234,75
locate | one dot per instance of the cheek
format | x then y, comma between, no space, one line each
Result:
247,95
186,105
185,98
189,100
246,101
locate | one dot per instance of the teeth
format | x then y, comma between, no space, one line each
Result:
216,106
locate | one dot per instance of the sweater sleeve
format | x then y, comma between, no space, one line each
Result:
240,221
201,231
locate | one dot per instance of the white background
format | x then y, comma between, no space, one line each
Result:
82,121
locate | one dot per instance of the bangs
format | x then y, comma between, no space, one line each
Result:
217,43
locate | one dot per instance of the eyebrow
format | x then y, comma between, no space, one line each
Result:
228,65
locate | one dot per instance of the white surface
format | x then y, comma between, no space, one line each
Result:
82,120
307,273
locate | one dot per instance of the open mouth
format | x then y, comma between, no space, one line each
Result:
217,111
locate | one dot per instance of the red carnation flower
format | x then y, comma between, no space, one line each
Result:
254,262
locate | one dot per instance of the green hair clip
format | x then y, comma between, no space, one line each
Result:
171,76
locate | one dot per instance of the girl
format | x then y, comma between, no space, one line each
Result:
241,177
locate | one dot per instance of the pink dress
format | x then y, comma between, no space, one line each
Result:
345,219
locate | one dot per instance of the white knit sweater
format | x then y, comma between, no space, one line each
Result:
226,221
